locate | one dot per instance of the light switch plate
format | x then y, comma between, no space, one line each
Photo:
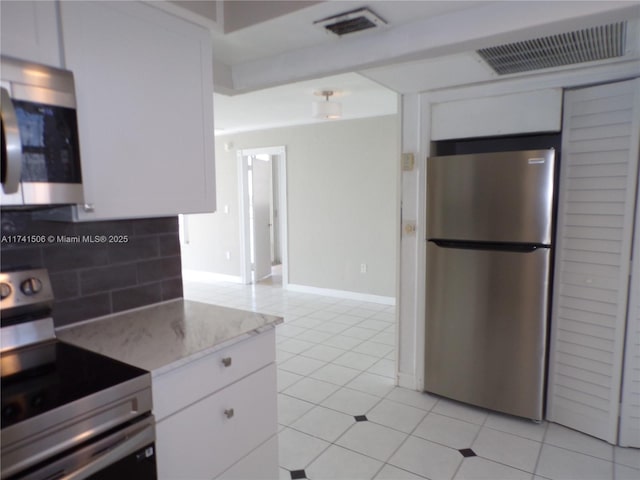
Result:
407,162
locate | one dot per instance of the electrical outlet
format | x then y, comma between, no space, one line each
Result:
363,268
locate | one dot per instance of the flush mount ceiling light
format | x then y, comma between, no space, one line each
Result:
326,109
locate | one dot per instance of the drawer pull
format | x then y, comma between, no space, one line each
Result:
226,361
229,412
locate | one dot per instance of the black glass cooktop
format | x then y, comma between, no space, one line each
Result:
40,378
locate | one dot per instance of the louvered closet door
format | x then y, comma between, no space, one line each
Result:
598,179
630,414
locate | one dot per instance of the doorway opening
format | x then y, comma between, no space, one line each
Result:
263,226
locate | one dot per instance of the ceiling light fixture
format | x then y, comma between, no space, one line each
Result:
327,110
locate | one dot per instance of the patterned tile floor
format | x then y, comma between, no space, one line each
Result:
341,417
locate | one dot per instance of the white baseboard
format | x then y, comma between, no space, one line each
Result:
407,381
328,292
209,277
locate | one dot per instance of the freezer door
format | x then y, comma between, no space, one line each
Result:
486,327
493,197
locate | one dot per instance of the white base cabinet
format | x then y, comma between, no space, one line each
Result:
217,416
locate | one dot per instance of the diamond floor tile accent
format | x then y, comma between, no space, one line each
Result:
467,452
424,436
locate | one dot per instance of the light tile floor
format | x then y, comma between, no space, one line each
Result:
341,417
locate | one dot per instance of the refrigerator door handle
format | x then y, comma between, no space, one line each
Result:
497,246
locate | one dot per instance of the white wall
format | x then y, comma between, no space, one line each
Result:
342,195
416,137
211,235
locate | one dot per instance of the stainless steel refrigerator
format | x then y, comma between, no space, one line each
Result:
489,232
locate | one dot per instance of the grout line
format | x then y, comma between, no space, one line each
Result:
236,296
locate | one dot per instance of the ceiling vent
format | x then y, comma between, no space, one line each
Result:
587,45
351,22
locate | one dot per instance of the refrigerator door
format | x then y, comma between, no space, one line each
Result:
486,327
492,197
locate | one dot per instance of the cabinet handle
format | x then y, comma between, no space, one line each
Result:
226,361
229,412
88,207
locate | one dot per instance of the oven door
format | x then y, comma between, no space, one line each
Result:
127,453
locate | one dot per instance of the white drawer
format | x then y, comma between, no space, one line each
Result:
189,383
201,441
261,464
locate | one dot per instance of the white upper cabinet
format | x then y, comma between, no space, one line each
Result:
29,31
145,109
524,112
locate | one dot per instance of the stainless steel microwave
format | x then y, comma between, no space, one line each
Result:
40,146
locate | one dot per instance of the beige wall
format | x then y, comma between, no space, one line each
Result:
342,205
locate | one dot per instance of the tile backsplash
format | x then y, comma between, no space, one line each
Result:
97,268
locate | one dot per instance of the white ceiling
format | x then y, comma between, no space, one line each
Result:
291,104
427,45
296,30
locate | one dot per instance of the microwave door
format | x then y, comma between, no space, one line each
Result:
11,148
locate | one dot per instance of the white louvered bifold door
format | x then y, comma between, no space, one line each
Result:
630,409
598,179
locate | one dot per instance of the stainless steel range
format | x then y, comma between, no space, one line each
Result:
66,412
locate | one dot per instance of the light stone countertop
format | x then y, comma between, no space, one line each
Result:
166,335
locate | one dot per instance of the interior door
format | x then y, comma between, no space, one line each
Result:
261,215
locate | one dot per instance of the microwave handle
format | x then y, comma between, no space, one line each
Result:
13,144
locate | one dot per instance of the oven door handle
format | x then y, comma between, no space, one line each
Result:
13,144
128,445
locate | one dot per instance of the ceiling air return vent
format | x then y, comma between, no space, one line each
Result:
587,45
350,22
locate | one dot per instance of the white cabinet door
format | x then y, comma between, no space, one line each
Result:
145,109
537,111
29,31
206,438
598,178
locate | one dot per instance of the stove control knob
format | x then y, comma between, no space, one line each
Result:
5,290
31,286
